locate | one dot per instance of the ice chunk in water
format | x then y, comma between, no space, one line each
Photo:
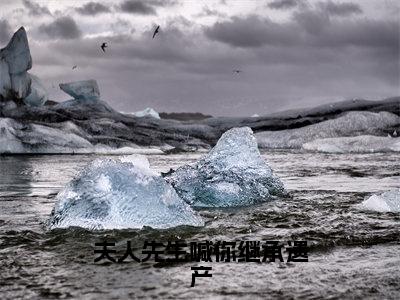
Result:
386,202
110,194
147,112
233,173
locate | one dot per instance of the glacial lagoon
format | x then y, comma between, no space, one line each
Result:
351,250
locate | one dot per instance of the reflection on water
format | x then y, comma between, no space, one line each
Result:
354,253
15,176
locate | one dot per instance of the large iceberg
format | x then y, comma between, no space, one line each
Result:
15,82
15,60
17,53
82,90
233,173
355,144
110,194
353,123
388,201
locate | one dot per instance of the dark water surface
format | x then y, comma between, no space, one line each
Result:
354,254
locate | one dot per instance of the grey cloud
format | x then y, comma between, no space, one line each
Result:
137,7
5,31
340,9
142,7
92,9
251,31
285,64
61,28
282,4
207,12
308,28
35,9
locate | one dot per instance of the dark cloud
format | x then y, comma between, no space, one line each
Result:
92,9
137,7
340,9
142,7
312,57
61,28
251,31
5,31
308,28
35,9
282,4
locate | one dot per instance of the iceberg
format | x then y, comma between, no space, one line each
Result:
233,173
388,201
15,61
147,112
82,90
15,82
38,95
112,194
17,53
356,144
5,79
353,123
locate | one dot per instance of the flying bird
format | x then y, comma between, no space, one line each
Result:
74,67
156,31
237,71
103,47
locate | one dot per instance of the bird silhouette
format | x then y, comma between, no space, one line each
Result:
237,71
156,31
103,47
74,67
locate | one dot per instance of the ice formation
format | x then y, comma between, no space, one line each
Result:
82,90
148,112
356,144
350,124
233,173
111,194
15,61
15,82
386,202
38,95
19,138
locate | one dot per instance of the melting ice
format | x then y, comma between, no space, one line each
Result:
388,201
111,194
233,173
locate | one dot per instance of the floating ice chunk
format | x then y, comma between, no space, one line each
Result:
110,194
233,173
350,124
386,202
38,95
356,144
82,90
147,112
17,53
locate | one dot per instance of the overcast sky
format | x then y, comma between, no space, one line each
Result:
292,53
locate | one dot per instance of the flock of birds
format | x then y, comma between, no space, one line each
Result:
156,31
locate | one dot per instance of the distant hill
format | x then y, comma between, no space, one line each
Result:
184,116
